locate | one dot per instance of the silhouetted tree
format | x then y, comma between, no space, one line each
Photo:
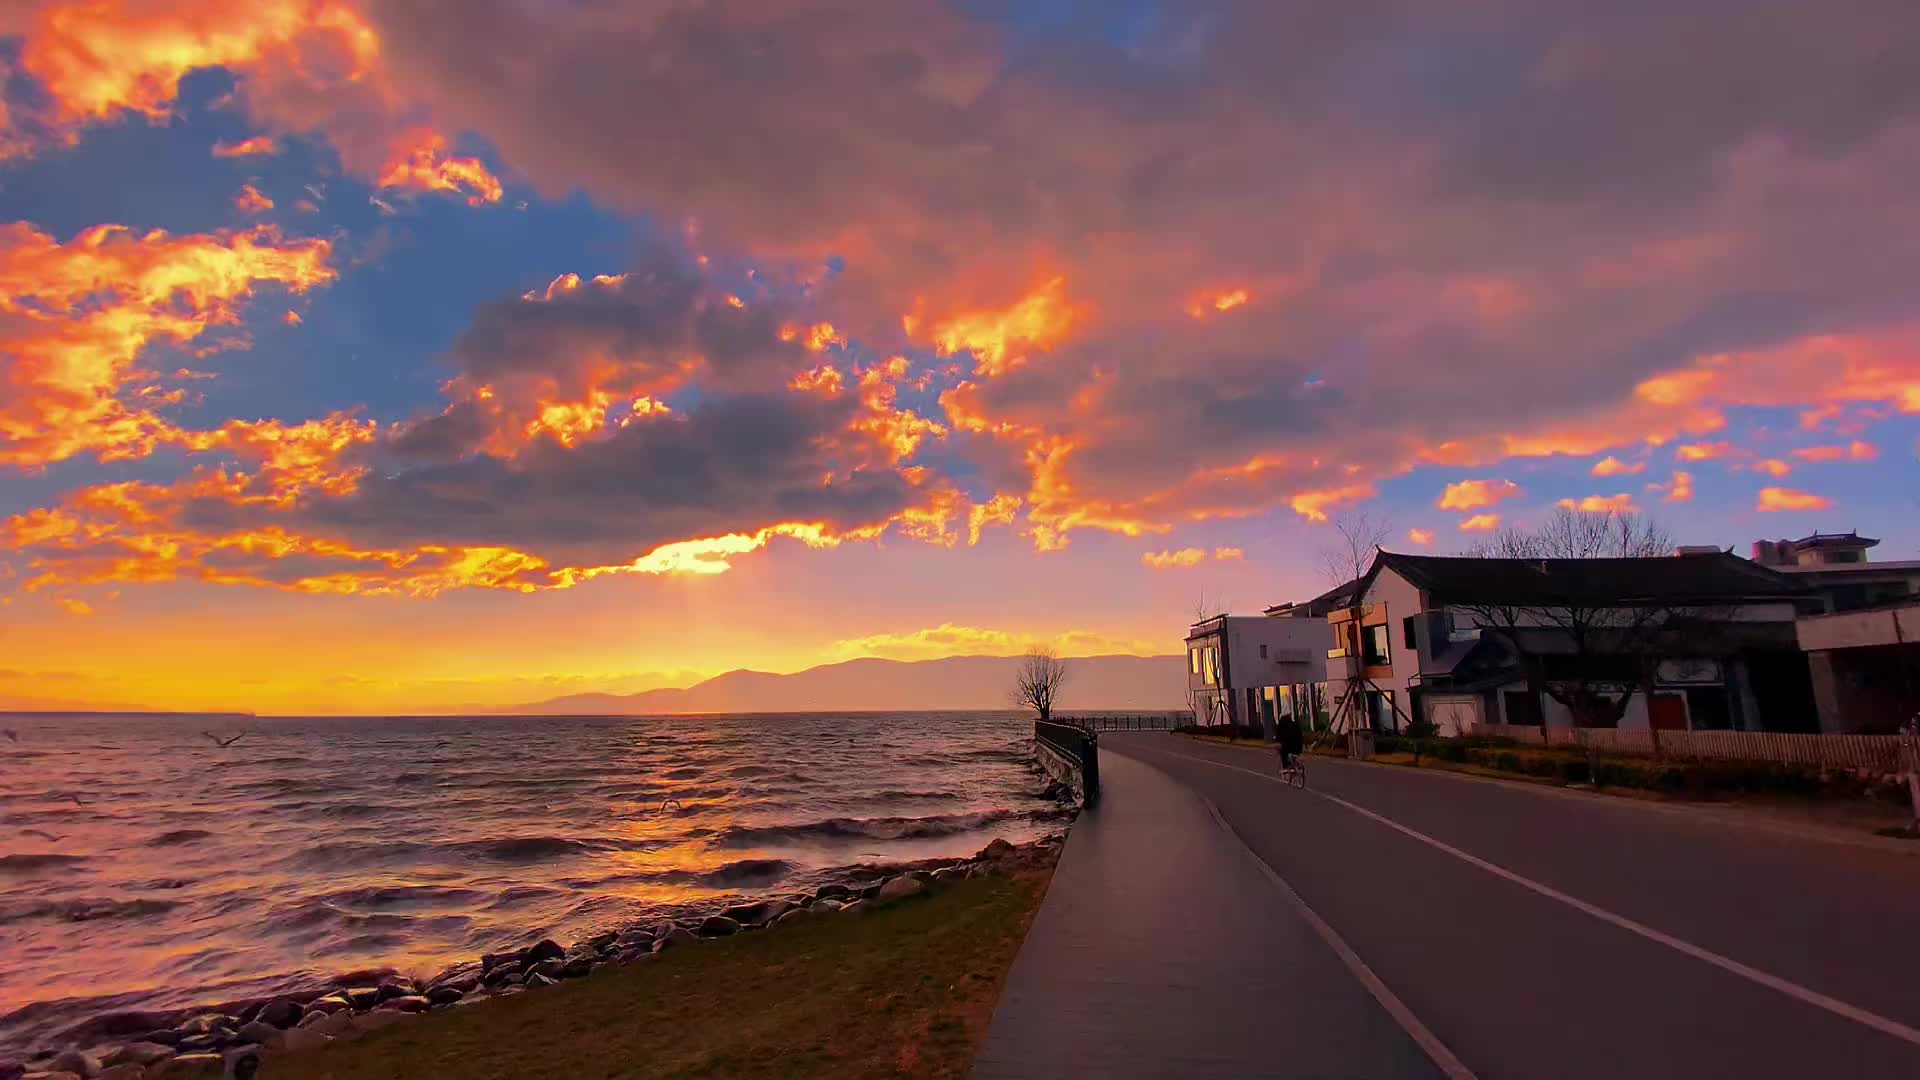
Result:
1344,559
1037,682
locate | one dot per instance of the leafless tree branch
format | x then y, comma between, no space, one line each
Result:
1037,681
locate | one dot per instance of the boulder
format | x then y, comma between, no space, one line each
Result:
265,1034
822,907
137,1053
831,892
445,995
492,960
663,928
300,1040
949,873
673,938
549,969
536,980
454,972
630,954
77,1062
502,972
871,890
546,949
202,1044
363,997
205,1022
411,1003
857,905
188,1065
578,966
997,849
128,1071
599,942
312,1019
634,937
792,916
330,1003
900,888
757,914
718,926
394,988
281,1013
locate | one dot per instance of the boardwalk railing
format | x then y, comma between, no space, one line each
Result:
1874,753
1166,721
1070,755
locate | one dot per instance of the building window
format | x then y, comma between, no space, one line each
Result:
1380,714
1263,652
1194,655
1212,673
1373,646
1406,634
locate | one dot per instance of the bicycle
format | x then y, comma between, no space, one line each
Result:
1294,775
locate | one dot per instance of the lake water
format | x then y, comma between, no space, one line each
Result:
141,865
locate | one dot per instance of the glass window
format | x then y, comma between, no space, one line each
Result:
1263,652
1374,645
1407,638
1194,655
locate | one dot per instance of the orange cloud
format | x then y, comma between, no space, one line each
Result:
1776,499
999,510
1169,560
258,146
1313,505
1599,504
1773,467
1613,466
999,339
1702,451
1211,303
1854,451
947,639
1678,490
1481,523
1420,537
251,201
291,318
1229,553
77,316
419,162
1475,494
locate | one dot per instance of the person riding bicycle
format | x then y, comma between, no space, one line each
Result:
1290,742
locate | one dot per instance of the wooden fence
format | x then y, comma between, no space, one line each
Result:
1875,753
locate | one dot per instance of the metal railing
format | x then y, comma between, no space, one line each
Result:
1070,754
1877,753
1127,721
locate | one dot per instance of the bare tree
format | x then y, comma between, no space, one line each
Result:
1344,559
1211,604
1605,642
1036,683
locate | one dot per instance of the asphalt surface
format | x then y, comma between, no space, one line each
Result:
1157,952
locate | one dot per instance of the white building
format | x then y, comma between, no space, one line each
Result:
1254,669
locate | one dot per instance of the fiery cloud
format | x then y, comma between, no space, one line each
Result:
1854,451
1773,467
1000,339
1773,499
251,201
949,639
1213,303
75,317
1597,504
1420,537
420,162
1613,466
1677,490
257,146
1476,494
1702,451
1480,523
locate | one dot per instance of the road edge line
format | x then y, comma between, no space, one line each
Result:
1805,995
1442,1057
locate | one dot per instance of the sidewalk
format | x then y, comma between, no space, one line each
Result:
1163,951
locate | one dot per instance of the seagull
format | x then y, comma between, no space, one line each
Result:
669,801
226,742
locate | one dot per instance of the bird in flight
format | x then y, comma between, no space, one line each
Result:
228,741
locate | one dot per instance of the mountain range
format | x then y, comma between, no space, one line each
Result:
1155,683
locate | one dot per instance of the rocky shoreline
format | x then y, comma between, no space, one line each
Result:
198,1041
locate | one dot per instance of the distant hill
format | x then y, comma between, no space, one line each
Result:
957,682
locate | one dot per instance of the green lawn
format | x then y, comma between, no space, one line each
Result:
901,991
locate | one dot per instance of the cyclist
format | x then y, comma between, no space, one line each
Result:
1290,743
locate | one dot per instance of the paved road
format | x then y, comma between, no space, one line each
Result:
1560,936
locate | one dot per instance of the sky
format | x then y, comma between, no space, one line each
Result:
392,355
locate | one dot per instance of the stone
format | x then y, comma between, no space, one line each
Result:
265,1034
201,1044
189,1065
411,1003
282,1013
395,988
363,997
204,1023
599,942
492,960
673,938
857,905
948,873
757,914
871,890
787,918
300,1040
578,966
502,972
78,1062
127,1071
547,949
830,892
997,849
629,955
163,1036
822,907
330,1003
634,937
458,971
313,1019
718,926
900,888
445,995
137,1053
536,980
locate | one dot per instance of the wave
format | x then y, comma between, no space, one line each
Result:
178,836
348,854
29,863
85,910
882,828
745,874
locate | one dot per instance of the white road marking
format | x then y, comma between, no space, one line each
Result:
1442,1057
1773,982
